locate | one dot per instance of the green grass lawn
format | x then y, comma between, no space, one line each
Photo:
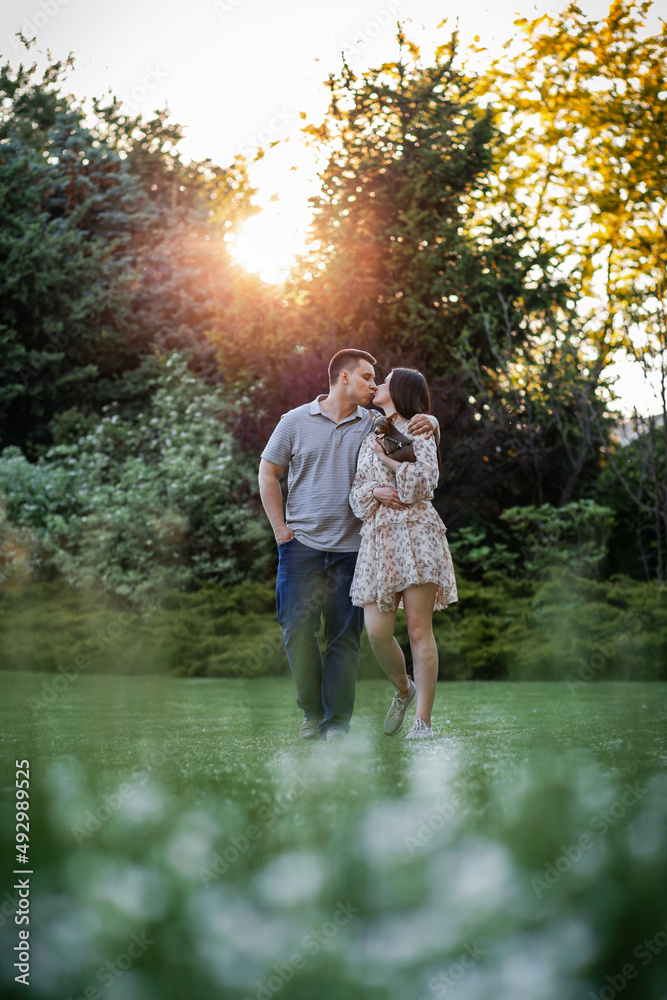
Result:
185,843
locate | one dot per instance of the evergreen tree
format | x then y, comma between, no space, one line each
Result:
403,246
110,249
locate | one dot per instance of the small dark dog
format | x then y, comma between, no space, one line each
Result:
395,444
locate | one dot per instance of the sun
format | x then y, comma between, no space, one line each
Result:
268,244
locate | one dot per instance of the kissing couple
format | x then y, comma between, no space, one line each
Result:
358,539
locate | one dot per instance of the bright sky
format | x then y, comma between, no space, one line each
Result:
238,73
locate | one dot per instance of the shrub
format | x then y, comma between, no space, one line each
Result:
137,506
566,628
546,538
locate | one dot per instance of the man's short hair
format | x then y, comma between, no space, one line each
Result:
347,360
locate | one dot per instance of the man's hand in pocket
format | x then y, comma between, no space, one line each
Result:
284,534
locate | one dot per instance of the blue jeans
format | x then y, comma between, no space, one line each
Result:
312,584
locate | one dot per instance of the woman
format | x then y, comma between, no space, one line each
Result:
404,559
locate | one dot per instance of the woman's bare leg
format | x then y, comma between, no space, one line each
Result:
418,602
380,627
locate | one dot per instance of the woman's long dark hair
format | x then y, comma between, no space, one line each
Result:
409,394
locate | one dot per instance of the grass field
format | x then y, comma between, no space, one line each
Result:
185,844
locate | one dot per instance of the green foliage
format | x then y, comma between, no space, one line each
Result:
574,536
583,109
633,484
542,412
408,252
110,248
564,628
473,554
544,539
447,234
136,506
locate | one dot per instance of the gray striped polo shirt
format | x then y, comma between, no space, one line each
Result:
322,460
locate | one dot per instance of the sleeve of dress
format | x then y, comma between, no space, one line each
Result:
362,501
417,480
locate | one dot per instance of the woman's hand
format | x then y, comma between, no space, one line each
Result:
388,496
382,455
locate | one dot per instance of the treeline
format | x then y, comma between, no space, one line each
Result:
567,628
500,231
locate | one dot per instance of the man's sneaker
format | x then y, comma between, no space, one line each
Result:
333,733
395,717
419,731
310,728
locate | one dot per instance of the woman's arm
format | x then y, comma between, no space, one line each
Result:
362,501
367,494
417,480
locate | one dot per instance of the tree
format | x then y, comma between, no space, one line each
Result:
583,119
135,506
542,417
583,115
110,249
402,247
634,484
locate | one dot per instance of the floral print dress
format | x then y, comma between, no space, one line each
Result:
400,548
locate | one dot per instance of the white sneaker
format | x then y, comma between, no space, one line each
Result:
310,728
419,731
400,703
333,734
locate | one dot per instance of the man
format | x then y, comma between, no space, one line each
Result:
318,537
